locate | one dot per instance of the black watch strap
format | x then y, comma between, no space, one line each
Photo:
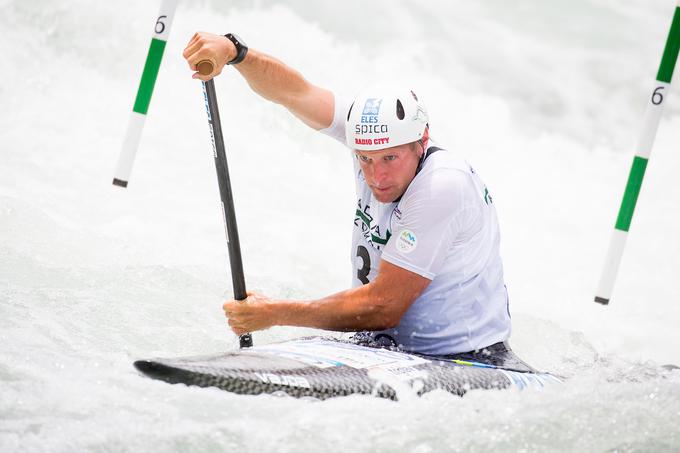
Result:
241,48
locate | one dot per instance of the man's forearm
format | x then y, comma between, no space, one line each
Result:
354,309
267,76
271,78
274,80
377,305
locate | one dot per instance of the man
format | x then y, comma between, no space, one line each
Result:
428,277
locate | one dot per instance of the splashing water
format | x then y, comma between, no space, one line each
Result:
545,99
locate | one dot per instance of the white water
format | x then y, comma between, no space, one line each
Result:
545,99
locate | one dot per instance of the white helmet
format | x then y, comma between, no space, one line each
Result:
384,117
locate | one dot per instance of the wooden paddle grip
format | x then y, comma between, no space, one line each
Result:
205,67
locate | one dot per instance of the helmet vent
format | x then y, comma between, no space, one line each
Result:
350,111
414,95
400,110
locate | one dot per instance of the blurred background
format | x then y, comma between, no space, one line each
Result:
546,101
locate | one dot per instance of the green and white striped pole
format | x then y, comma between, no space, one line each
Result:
643,151
153,62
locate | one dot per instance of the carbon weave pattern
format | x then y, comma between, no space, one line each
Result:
249,372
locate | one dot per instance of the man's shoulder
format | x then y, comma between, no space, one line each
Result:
441,159
444,170
445,180
336,129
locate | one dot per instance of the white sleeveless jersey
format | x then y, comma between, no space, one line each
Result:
444,228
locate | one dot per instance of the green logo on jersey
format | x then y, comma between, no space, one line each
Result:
487,196
372,234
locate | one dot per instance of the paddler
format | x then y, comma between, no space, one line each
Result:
427,271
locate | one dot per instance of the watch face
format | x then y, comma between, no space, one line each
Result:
238,38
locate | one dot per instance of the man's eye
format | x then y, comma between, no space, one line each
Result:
365,159
390,157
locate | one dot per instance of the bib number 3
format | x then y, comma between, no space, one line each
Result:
365,269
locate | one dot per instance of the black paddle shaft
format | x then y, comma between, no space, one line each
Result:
227,199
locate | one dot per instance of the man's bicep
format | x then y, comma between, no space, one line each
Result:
399,287
315,107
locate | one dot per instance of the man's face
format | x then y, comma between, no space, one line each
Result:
389,171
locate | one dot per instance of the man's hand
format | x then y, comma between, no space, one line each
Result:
254,313
214,48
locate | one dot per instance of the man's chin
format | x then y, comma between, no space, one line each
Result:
384,197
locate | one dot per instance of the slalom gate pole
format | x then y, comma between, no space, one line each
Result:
226,195
642,153
141,106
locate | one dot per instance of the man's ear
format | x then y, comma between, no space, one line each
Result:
426,136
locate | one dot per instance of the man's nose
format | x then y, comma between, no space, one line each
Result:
379,173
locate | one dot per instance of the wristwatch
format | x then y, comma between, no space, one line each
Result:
241,48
